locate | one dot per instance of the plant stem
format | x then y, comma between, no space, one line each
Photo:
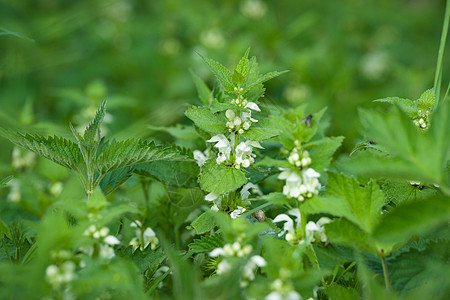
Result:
438,74
385,273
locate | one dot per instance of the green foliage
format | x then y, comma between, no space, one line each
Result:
203,223
206,243
220,179
206,120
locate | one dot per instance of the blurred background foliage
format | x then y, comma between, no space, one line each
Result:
60,59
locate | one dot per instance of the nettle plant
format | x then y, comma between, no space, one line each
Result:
256,211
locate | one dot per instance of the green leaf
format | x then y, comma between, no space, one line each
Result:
342,232
220,179
412,219
221,106
419,155
426,100
206,243
92,131
178,173
243,66
341,292
276,198
206,120
363,204
321,151
408,106
204,223
222,74
204,93
125,153
112,180
59,150
261,131
143,259
261,79
422,274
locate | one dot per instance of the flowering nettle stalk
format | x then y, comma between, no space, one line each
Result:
302,182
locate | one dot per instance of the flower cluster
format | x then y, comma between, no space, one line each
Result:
236,249
422,119
302,186
300,159
105,242
282,290
243,157
143,237
60,275
292,227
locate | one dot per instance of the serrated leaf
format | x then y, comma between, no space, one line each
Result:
408,106
364,203
143,259
412,219
177,173
222,74
206,243
112,180
415,154
426,100
243,65
93,129
261,79
125,153
261,131
204,93
217,106
342,232
321,151
421,274
204,223
59,150
220,179
206,120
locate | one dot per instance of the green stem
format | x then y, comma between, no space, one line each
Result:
385,273
438,74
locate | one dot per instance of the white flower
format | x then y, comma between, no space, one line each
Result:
223,145
300,160
302,187
248,273
292,295
216,199
235,249
316,230
149,237
245,191
293,231
252,105
237,212
201,157
244,155
223,267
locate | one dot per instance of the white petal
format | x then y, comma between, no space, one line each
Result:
216,252
148,233
253,105
111,240
311,173
211,197
217,138
258,260
323,221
